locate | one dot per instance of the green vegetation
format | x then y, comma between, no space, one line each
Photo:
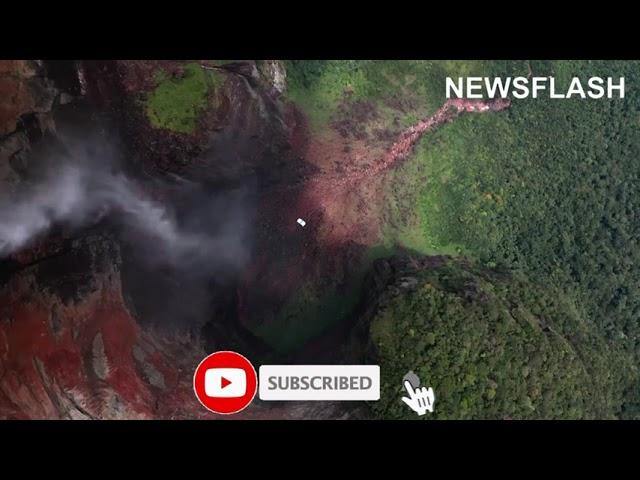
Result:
314,309
409,89
319,311
495,346
176,103
548,188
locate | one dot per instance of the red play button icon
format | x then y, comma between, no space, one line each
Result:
225,382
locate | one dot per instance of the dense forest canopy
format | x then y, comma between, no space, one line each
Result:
548,189
494,346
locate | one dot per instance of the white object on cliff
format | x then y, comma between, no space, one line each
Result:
301,222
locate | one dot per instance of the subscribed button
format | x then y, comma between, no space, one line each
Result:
319,382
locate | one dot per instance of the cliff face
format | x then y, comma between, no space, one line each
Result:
94,322
69,344
70,347
25,114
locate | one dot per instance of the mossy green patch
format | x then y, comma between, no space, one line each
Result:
176,103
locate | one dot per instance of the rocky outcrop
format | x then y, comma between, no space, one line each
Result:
239,126
491,343
25,114
82,316
275,74
388,278
70,348
67,337
24,91
75,338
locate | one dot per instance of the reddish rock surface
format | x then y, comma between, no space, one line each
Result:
71,345
339,193
87,357
15,93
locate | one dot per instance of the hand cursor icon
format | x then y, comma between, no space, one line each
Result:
420,399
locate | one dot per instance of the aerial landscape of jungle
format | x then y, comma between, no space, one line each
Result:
148,216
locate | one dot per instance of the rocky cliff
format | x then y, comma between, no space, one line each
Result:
83,317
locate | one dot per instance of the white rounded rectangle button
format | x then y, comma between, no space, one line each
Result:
319,382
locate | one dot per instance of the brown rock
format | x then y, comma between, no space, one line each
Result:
17,68
17,101
22,92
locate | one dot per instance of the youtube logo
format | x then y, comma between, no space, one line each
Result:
225,382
